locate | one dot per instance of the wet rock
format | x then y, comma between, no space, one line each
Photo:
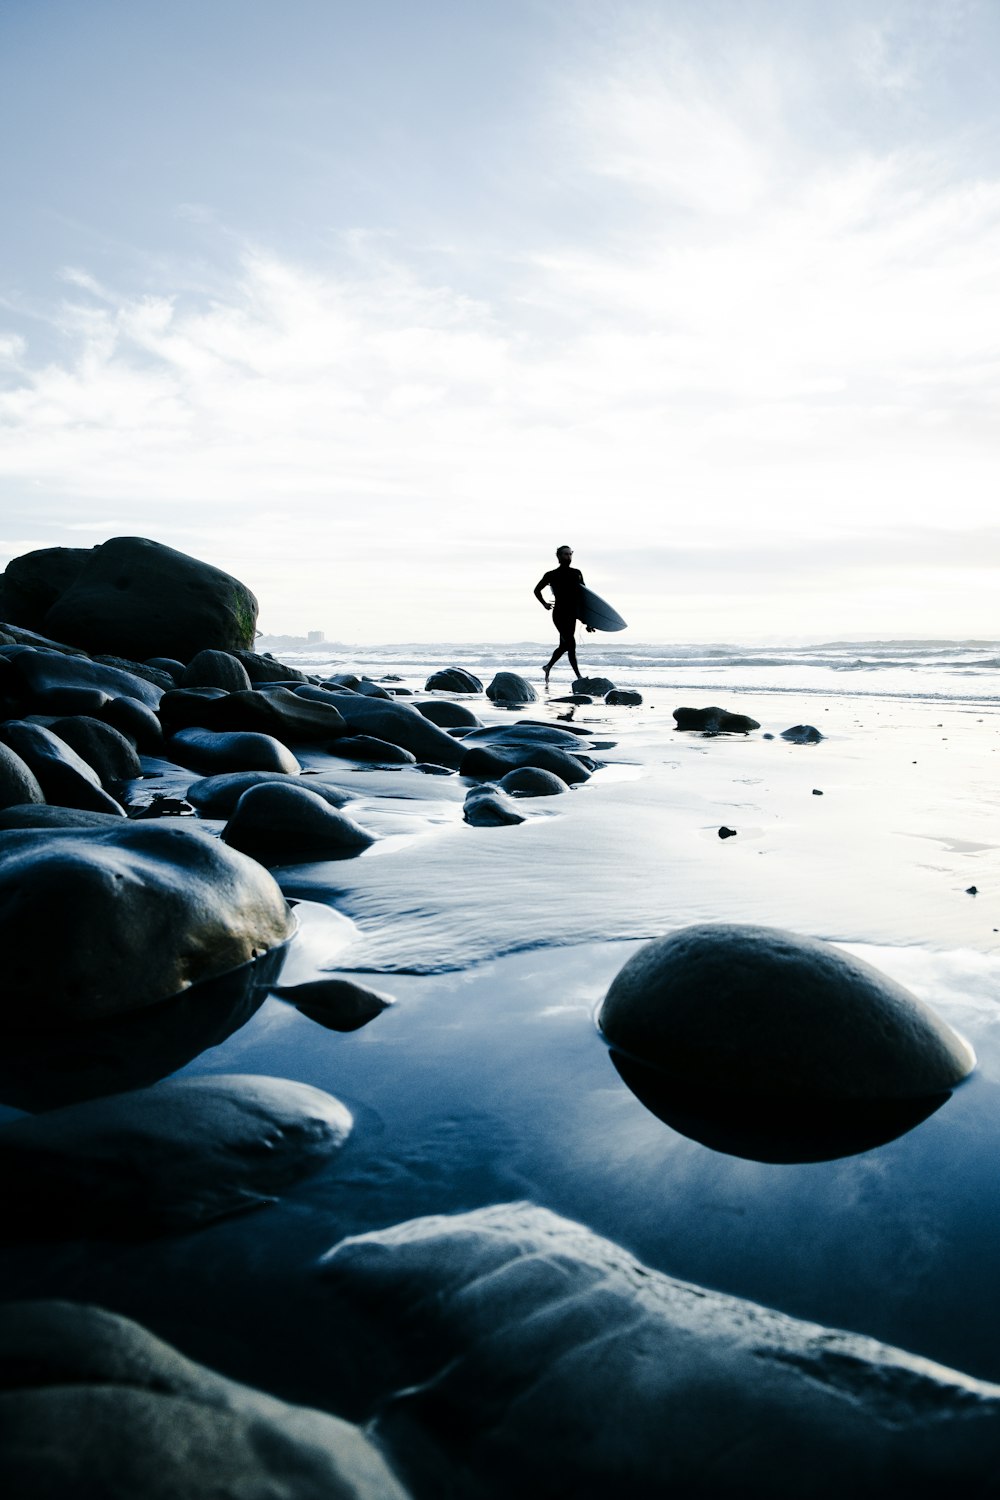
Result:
400,724
714,721
487,807
281,821
137,722
727,833
44,815
208,1147
94,1405
51,678
217,796
188,708
349,680
143,910
448,715
509,687
802,734
598,687
453,680
141,599
492,762
264,669
364,747
216,752
532,781
107,751
816,792
525,733
339,1004
369,689
578,698
283,712
767,1014
623,698
18,782
64,776
168,664
500,1333
34,581
216,669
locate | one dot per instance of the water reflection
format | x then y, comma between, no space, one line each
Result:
780,1132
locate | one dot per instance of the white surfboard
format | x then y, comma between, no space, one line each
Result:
595,611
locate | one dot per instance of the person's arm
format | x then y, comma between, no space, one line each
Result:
583,585
541,584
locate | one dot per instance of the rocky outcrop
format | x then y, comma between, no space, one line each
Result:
33,582
141,599
761,1013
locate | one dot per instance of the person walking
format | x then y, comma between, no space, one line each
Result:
565,584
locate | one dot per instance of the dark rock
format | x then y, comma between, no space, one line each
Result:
64,776
143,911
348,680
34,581
509,687
42,815
18,782
817,792
400,724
525,733
364,748
134,1417
487,807
369,689
264,669
215,752
144,669
283,712
137,722
531,781
448,715
68,700
623,697
208,1148
107,751
217,796
43,675
598,686
762,1013
141,599
492,1338
453,680
278,821
579,698
714,721
338,1004
188,708
216,669
492,762
168,664
767,736
972,890
802,734
727,833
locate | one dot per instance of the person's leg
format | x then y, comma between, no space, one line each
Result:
553,659
571,653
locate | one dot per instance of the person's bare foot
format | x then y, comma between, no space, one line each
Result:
546,671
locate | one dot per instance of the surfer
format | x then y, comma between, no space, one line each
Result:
565,583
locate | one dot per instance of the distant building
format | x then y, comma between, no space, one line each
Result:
315,637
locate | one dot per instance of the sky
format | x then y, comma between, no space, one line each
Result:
375,305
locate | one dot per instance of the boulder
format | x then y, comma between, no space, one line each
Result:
492,762
137,722
143,910
802,734
524,732
283,712
212,752
217,796
142,599
349,680
580,699
400,724
264,669
64,776
765,1014
338,1004
94,1405
514,1350
370,689
487,807
48,678
208,1147
216,669
509,687
448,715
188,708
43,815
623,698
453,680
34,581
18,782
714,721
532,781
281,821
106,750
168,664
364,747
595,687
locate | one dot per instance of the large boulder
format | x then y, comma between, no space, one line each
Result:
510,1350
208,1147
265,669
280,711
277,821
510,687
34,581
141,599
765,1014
105,750
142,910
215,753
216,669
492,762
400,724
52,682
64,776
94,1405
18,783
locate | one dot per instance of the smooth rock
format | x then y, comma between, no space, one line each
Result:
447,715
264,669
93,1406
487,807
141,599
64,776
509,687
714,721
18,782
217,796
283,712
365,747
369,689
216,669
103,748
33,582
188,708
167,1158
137,722
168,664
623,698
802,734
143,910
525,733
531,781
763,1013
44,675
281,821
215,752
597,687
338,1004
44,815
512,1351
492,762
400,724
453,680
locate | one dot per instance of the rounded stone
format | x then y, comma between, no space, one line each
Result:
448,715
103,747
18,783
217,796
278,820
142,910
453,680
763,1013
532,781
510,687
217,669
623,698
216,752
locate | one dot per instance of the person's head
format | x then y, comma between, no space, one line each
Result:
564,554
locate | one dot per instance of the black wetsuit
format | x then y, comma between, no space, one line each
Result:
565,584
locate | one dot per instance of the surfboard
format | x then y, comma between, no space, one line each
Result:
597,612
